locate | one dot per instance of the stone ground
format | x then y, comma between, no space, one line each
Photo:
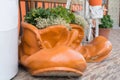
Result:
109,69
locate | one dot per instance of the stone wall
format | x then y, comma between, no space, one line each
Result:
113,10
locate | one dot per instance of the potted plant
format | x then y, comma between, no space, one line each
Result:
105,26
52,31
51,42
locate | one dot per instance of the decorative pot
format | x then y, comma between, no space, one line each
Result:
95,2
47,50
56,49
97,50
104,32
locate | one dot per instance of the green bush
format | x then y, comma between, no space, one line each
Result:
41,17
50,12
35,13
106,22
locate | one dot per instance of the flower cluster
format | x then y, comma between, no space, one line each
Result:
43,23
80,21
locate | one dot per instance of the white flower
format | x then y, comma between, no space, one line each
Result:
43,23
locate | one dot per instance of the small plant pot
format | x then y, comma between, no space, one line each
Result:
95,2
104,32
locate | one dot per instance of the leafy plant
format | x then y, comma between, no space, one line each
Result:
50,12
106,22
64,13
41,17
35,13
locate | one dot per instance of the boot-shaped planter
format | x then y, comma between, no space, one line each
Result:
47,50
56,49
97,50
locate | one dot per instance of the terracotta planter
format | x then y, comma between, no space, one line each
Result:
55,48
97,50
104,32
47,50
95,2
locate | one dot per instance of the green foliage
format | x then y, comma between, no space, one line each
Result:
41,17
106,22
35,13
50,12
64,13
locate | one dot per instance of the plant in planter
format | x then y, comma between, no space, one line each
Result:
48,16
105,26
51,42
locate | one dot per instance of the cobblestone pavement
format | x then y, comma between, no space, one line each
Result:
109,69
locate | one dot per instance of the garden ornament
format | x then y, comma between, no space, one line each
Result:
57,49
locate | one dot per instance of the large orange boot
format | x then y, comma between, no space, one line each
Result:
97,50
76,36
58,59
44,50
57,41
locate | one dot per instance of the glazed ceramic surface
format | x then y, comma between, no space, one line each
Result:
95,2
97,50
55,48
48,49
